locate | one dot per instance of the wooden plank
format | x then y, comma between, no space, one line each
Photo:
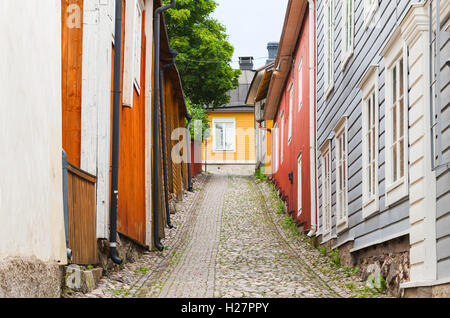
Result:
82,218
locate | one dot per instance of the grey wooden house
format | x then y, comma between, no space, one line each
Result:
383,138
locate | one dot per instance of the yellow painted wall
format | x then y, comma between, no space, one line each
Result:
245,139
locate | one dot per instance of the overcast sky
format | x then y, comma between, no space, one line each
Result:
251,24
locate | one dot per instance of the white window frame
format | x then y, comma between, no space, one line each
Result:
132,51
326,190
300,84
282,138
395,189
227,120
329,46
341,137
370,142
370,7
347,31
276,148
291,113
299,185
137,35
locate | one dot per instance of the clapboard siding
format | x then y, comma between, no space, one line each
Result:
443,174
346,99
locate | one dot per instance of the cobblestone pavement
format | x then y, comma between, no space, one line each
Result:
229,242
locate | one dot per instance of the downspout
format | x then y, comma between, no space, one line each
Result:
188,141
163,136
312,135
156,129
115,139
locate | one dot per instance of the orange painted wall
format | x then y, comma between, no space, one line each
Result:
245,138
72,52
131,203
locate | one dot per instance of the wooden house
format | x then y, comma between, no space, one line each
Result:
290,104
88,88
381,191
32,231
230,146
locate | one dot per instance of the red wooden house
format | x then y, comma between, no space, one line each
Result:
291,106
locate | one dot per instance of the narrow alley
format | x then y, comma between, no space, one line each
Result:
230,243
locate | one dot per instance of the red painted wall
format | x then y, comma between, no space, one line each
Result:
300,142
196,158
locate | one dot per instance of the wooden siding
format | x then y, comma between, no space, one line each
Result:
72,51
82,219
443,174
300,135
245,142
131,204
346,99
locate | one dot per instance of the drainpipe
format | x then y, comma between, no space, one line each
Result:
66,203
115,139
156,129
188,141
312,142
163,135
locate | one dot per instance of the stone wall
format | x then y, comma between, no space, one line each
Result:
28,277
390,259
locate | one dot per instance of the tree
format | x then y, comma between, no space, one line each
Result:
197,113
204,59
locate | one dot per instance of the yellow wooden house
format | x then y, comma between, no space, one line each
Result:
230,147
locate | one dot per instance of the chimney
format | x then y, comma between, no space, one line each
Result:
272,47
246,63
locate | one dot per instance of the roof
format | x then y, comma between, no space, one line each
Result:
260,84
290,36
166,57
238,96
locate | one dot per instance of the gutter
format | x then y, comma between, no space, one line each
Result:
115,138
156,129
312,110
188,142
163,136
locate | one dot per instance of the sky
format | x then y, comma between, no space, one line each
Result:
251,24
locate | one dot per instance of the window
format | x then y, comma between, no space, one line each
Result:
224,135
329,46
396,118
137,45
326,191
300,84
370,7
282,136
299,185
276,148
370,142
341,174
132,50
348,30
291,101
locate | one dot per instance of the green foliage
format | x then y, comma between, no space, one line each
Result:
334,257
141,270
322,250
204,59
259,175
279,209
197,113
289,224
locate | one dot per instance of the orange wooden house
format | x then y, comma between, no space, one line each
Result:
88,35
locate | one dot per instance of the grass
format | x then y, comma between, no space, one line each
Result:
142,270
259,175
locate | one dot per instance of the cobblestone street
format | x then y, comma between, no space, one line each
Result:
230,242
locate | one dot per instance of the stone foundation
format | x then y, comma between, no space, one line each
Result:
128,250
28,277
438,291
390,259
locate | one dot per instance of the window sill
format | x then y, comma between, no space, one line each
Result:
346,58
341,226
370,207
396,191
328,91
